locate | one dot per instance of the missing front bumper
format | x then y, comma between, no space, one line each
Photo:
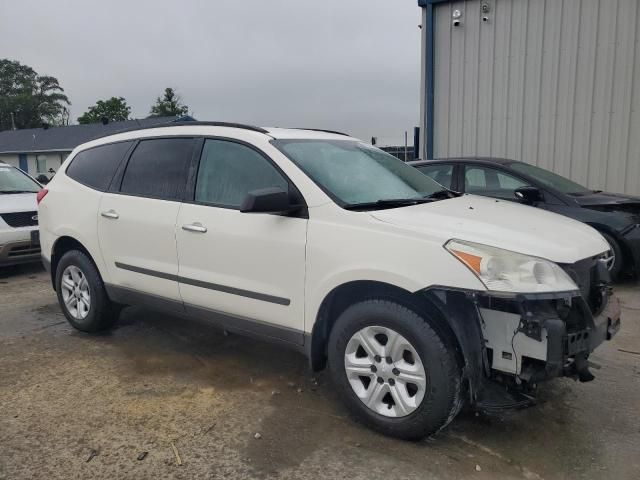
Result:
534,340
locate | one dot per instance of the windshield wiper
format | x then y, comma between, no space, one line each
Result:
17,191
388,203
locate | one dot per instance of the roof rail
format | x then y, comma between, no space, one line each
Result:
322,130
196,123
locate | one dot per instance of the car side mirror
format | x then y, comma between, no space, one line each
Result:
528,195
42,179
268,200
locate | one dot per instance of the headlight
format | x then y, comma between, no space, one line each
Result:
505,271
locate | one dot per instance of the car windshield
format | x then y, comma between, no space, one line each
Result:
550,179
14,181
355,174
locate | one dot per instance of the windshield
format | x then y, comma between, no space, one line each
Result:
550,179
13,180
354,173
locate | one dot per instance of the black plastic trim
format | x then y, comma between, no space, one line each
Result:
234,323
320,130
196,123
210,286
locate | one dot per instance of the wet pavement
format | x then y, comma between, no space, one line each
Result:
74,405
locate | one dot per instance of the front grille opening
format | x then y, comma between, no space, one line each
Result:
23,251
20,219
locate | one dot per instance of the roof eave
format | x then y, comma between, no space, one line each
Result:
53,150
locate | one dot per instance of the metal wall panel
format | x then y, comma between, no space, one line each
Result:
555,83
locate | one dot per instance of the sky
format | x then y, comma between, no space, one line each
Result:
348,65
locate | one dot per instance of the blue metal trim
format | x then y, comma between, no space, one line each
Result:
429,81
424,3
23,162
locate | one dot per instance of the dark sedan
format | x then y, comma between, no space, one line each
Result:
615,216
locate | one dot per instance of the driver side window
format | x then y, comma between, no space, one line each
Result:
229,170
491,182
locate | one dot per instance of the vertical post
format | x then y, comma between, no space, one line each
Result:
405,146
13,122
429,80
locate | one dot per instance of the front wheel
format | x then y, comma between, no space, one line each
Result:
613,258
394,372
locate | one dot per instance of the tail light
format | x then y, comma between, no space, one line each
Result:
41,194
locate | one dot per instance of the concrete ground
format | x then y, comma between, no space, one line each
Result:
115,405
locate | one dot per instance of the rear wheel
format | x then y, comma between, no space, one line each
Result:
613,258
394,372
81,293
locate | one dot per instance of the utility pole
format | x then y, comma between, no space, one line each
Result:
406,154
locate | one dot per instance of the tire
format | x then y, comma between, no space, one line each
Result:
618,262
434,406
94,311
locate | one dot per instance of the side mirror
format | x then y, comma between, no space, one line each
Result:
528,195
268,200
42,179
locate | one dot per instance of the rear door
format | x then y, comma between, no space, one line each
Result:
137,218
250,267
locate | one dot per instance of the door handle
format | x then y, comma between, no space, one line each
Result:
195,227
110,214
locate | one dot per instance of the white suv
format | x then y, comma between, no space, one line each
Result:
418,299
19,241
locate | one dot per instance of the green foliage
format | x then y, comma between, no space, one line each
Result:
33,99
114,109
170,104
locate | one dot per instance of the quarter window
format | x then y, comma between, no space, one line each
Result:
95,167
229,170
158,168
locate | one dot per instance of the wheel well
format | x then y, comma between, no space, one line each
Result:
627,256
350,293
60,247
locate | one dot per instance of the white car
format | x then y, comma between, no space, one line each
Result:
19,241
418,299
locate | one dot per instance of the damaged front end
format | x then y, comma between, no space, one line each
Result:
515,341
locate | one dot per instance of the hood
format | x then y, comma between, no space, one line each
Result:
502,224
18,202
605,198
609,202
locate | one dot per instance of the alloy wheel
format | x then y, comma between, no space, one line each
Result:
75,292
385,371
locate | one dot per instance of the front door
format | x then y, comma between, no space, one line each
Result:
249,267
137,222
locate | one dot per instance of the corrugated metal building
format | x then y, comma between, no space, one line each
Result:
555,83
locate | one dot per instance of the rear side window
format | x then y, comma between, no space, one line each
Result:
228,171
158,168
95,167
443,174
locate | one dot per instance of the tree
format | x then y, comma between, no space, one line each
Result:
169,105
114,109
29,100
